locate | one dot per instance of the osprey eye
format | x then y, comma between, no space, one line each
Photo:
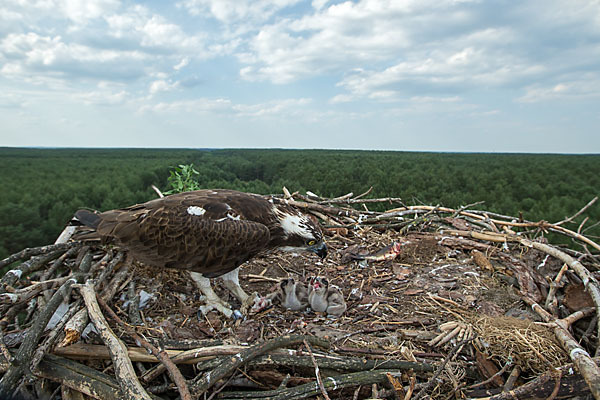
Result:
311,242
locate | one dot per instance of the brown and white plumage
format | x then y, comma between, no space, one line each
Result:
207,232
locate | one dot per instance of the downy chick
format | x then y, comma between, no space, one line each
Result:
294,295
325,298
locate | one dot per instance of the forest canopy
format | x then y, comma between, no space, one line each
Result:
42,188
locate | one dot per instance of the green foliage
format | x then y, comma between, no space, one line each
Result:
182,179
42,188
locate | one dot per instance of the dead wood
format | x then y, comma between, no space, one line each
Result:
132,389
569,383
33,264
35,251
310,389
204,382
21,366
160,354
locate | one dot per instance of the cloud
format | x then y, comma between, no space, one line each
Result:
233,11
162,86
28,53
582,88
222,106
389,51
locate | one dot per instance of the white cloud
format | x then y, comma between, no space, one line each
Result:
222,106
162,86
32,53
387,51
272,108
103,97
82,10
587,87
232,11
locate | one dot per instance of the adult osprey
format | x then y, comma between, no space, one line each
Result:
209,233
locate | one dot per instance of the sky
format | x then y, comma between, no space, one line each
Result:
413,75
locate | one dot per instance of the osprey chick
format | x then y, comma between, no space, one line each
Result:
210,233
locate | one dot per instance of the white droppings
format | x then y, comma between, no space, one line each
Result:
16,272
578,350
195,210
543,263
145,298
334,383
433,271
11,296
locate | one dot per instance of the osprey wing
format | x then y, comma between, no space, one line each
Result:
204,237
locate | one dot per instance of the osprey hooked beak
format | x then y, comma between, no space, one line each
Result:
319,249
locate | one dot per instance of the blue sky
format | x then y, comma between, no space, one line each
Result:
431,75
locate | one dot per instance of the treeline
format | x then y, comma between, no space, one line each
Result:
41,188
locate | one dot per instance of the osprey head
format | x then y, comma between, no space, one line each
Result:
300,233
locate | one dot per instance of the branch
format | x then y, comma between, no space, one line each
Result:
123,368
202,383
35,251
10,380
578,212
160,354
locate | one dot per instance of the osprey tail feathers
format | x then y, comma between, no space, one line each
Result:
88,218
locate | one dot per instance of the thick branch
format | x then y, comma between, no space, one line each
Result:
203,383
123,368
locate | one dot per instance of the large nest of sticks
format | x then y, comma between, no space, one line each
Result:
474,304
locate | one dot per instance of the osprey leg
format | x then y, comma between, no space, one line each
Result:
212,300
232,282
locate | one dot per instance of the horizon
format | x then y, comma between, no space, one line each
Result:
290,149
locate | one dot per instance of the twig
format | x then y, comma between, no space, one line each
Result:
157,190
463,208
550,299
317,374
578,355
33,264
53,336
590,284
160,354
578,213
512,378
34,251
312,389
441,368
202,383
363,194
11,378
123,368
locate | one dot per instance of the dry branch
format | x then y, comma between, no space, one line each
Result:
11,378
311,389
203,383
124,371
35,251
160,354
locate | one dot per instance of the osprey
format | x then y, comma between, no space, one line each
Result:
210,233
